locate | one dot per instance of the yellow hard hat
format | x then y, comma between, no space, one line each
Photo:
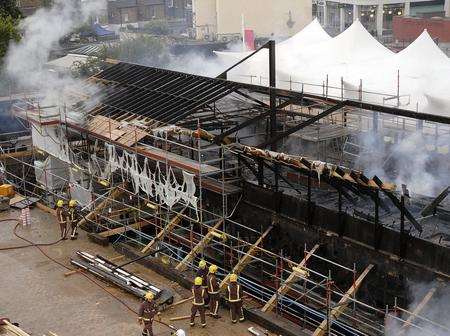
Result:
213,269
72,203
149,296
198,281
233,277
202,264
60,203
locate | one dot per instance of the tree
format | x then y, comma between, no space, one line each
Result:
9,20
9,8
8,32
91,66
143,49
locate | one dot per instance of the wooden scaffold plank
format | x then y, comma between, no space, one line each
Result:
124,229
417,311
168,228
182,266
290,280
247,258
343,302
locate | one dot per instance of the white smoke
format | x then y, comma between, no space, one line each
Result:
198,64
414,160
431,320
26,60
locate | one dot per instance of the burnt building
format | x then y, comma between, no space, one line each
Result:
256,180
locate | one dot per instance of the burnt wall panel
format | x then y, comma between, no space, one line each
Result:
262,201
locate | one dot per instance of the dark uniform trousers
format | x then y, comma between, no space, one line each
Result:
147,312
198,304
203,273
235,302
213,294
73,220
61,213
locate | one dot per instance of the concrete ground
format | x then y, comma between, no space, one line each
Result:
36,294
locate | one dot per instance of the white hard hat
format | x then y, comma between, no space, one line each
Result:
180,332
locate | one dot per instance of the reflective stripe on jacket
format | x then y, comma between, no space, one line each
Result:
199,296
234,292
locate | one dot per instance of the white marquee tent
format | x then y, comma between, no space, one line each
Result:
355,61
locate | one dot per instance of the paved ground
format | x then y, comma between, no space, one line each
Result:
36,294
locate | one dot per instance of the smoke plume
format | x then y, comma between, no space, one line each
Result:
432,319
26,60
415,160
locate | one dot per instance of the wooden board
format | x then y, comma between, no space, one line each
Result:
123,229
291,279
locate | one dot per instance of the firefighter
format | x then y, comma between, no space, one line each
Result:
213,291
198,302
147,312
202,272
235,299
61,213
73,218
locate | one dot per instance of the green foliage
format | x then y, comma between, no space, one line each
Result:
157,27
47,3
93,65
8,32
9,20
9,8
143,49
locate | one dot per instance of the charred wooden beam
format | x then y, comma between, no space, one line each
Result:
398,204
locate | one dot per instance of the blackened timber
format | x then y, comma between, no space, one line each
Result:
260,162
291,101
302,125
377,226
224,74
248,165
399,112
273,95
430,208
252,99
397,203
277,172
246,123
402,252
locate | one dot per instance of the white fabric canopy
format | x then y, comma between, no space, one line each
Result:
352,60
312,34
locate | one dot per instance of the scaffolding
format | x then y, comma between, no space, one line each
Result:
120,210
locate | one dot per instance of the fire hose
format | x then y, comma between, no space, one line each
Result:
39,245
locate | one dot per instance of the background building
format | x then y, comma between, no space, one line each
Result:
223,19
376,15
28,7
138,12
